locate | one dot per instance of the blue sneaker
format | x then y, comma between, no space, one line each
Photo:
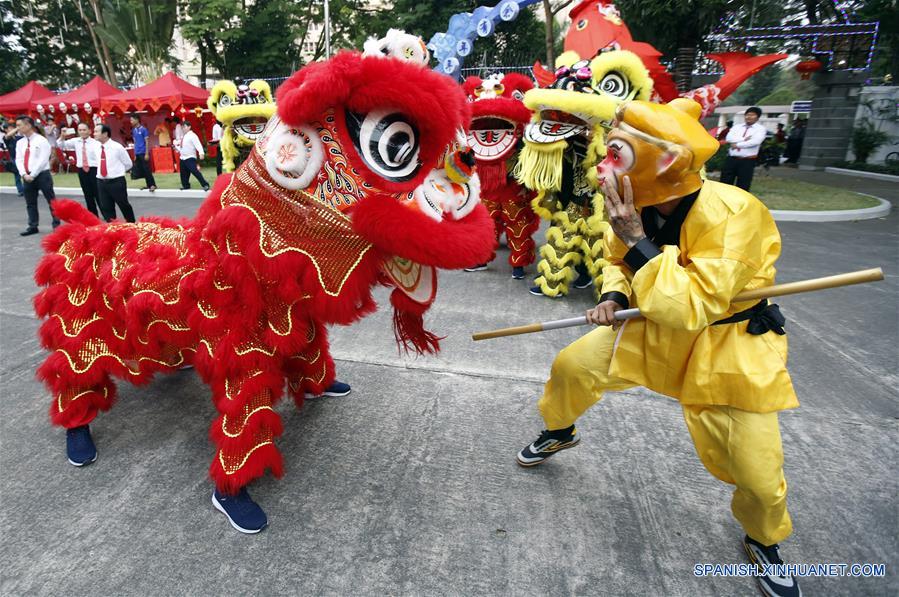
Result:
583,281
535,290
243,513
518,273
337,389
80,446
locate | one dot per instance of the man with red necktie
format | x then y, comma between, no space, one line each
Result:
87,158
743,144
33,163
113,162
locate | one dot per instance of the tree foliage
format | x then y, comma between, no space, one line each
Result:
142,31
12,75
266,42
49,43
887,12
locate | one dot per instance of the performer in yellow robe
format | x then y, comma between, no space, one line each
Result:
682,249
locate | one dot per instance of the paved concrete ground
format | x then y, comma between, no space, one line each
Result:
409,486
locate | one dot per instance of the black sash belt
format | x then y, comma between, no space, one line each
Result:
762,318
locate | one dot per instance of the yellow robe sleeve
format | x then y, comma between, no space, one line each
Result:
692,292
615,275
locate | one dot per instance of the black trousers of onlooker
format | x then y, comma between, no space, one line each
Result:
43,182
88,182
112,192
188,167
144,168
739,169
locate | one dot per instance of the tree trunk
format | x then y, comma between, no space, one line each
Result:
683,68
550,37
202,65
107,57
96,41
811,11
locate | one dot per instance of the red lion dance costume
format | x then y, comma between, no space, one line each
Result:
497,124
344,190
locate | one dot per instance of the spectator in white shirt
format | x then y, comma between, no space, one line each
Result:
191,150
743,143
87,158
216,140
33,163
179,130
113,162
52,133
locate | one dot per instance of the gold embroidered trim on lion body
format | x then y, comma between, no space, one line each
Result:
288,220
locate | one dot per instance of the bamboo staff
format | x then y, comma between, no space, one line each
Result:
837,281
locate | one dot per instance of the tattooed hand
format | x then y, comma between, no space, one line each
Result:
622,214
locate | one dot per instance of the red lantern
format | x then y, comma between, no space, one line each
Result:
807,67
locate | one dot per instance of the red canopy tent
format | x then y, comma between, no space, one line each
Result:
171,94
19,101
168,90
89,93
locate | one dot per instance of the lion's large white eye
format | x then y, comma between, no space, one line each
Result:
614,83
293,157
388,143
225,100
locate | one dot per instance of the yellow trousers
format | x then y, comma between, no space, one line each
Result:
737,446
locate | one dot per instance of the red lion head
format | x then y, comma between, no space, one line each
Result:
377,136
498,118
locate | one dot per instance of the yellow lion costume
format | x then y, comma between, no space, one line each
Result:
563,143
243,111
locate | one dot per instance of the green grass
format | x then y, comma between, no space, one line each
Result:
780,193
163,181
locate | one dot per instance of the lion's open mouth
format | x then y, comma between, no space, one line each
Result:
556,125
491,137
250,127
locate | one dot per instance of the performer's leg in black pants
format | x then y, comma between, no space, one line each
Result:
43,182
191,164
105,199
185,175
729,170
218,161
119,192
31,189
745,170
145,168
88,182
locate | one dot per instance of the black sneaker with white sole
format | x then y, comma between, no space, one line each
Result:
549,443
772,579
477,268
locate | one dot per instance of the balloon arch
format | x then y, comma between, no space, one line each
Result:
451,48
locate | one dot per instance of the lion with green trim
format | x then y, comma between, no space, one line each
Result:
243,111
562,145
